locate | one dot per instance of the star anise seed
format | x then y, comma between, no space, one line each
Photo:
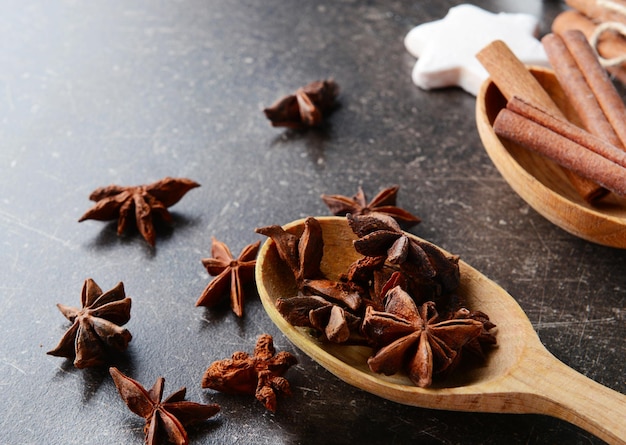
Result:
140,203
260,374
164,419
384,202
228,271
416,340
307,107
96,329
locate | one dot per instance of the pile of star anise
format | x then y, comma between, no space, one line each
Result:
400,298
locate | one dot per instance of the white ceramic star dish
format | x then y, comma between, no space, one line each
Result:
445,48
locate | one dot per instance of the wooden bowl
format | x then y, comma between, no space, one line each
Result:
542,183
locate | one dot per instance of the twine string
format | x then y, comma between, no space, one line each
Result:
614,27
613,6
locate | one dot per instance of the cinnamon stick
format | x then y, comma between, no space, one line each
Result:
599,82
512,78
564,143
568,130
575,85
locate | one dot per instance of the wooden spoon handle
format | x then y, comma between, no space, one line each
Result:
555,389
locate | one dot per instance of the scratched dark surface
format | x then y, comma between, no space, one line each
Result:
101,92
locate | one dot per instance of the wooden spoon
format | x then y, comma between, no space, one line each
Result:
520,375
539,181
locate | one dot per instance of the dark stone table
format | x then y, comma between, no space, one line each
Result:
101,92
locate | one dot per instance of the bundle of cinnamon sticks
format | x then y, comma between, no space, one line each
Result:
600,21
595,152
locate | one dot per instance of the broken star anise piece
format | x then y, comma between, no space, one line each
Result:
228,272
96,329
486,338
307,107
324,305
415,340
303,254
165,419
312,311
140,203
260,374
384,202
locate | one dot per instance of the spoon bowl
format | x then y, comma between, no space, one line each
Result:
542,183
519,376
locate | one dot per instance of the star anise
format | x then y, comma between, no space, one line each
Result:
380,235
375,277
384,202
96,329
486,338
303,255
332,320
306,108
260,374
166,418
228,271
140,203
325,305
415,340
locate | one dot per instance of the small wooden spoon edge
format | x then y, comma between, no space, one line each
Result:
540,182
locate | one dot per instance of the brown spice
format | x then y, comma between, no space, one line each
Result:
478,346
534,130
229,273
334,322
167,419
140,202
260,374
503,65
382,236
330,311
306,107
96,330
384,202
578,91
334,291
609,45
570,131
326,306
587,85
599,83
416,339
303,254
370,305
